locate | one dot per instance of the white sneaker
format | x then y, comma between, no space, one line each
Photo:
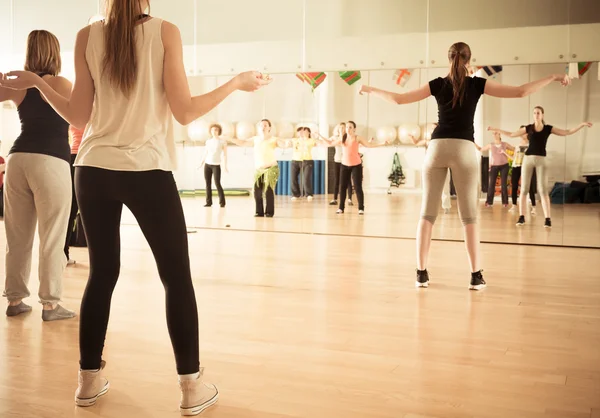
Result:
350,202
196,395
361,212
309,198
533,211
513,208
294,198
91,386
70,262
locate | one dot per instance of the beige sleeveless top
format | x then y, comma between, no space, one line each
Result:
135,133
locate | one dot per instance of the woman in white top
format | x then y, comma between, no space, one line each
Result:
338,133
130,82
214,148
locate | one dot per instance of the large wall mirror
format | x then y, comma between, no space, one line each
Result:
319,53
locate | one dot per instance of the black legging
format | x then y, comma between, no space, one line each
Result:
74,209
209,171
337,184
514,179
356,172
153,199
503,169
258,198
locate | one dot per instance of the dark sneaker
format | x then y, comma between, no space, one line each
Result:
477,281
521,221
548,223
422,278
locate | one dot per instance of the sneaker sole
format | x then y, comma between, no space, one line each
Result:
518,224
85,402
476,287
548,227
195,410
419,284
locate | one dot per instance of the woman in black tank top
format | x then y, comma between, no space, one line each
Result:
535,159
38,185
451,146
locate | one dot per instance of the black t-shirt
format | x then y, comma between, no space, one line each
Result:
43,131
537,140
456,122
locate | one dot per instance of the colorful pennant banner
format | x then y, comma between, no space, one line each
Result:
350,77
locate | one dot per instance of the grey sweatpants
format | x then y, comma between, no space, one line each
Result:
460,156
36,187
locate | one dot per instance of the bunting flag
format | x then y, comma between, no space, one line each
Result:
402,76
350,77
491,70
314,79
577,69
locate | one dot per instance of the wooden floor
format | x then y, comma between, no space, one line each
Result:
316,326
397,216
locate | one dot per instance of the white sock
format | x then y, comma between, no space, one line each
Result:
193,376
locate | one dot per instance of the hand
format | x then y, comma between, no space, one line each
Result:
564,79
365,89
19,80
587,124
372,139
490,128
251,81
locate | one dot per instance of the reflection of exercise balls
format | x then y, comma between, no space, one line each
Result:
428,130
406,131
286,130
199,130
228,130
386,134
244,130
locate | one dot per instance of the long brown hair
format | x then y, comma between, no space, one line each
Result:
43,53
543,113
350,122
120,56
459,55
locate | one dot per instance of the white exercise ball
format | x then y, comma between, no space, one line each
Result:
286,130
244,130
386,134
228,130
408,130
428,130
199,130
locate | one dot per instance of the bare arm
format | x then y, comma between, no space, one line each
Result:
520,132
370,144
567,132
186,108
495,89
412,96
510,147
74,105
242,142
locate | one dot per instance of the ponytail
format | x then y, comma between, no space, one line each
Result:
458,76
459,55
120,56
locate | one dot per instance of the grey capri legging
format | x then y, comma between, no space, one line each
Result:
460,156
537,162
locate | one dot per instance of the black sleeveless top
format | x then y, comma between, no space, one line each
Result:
43,131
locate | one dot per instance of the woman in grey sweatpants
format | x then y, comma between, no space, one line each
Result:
452,147
38,186
535,159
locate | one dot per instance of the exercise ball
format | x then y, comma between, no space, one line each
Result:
428,130
286,130
199,130
406,131
386,134
244,130
228,130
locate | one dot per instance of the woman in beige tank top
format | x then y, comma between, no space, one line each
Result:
130,83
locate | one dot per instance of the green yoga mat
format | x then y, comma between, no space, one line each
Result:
202,192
